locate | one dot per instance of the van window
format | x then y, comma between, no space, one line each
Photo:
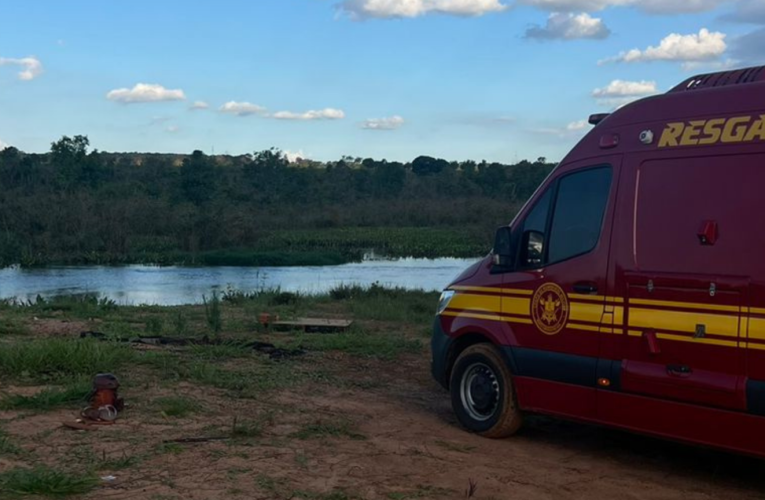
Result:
534,230
579,210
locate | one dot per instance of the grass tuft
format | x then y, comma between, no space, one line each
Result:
7,447
49,399
176,406
321,430
43,481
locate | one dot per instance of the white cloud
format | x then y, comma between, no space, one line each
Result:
323,114
619,93
577,126
703,46
242,108
573,129
654,6
391,123
31,67
293,156
365,9
623,88
145,92
198,105
172,129
569,26
4,145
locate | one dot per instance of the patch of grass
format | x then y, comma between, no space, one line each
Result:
384,346
155,325
335,429
376,302
43,481
257,378
176,406
12,326
170,449
50,359
120,463
85,457
49,399
247,429
225,350
180,323
213,314
84,306
7,447
270,484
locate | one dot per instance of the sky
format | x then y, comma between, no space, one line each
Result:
500,80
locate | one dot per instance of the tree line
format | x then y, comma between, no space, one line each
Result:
77,205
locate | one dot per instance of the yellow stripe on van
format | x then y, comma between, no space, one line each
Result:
591,313
683,321
685,305
756,328
517,306
489,303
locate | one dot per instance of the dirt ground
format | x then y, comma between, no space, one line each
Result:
364,428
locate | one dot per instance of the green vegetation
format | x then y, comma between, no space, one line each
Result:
176,406
42,481
358,343
254,210
213,314
52,359
325,429
7,446
71,394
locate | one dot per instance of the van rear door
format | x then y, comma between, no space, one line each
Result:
679,278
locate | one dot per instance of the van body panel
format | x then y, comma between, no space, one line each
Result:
660,326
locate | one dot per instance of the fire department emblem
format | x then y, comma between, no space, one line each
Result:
549,309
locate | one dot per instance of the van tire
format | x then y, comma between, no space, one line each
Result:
483,394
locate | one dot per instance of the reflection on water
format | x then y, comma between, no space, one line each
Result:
187,285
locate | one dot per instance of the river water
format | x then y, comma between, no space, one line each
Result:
134,285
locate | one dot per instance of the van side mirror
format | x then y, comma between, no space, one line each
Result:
532,249
504,254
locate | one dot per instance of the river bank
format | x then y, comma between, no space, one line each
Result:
318,247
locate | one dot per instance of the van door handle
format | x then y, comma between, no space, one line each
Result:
586,288
679,370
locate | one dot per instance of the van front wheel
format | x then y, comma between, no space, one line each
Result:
483,396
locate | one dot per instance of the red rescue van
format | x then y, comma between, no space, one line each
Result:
630,290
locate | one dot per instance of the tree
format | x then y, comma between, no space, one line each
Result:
426,165
198,178
68,156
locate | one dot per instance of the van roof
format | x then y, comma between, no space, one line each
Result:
701,95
